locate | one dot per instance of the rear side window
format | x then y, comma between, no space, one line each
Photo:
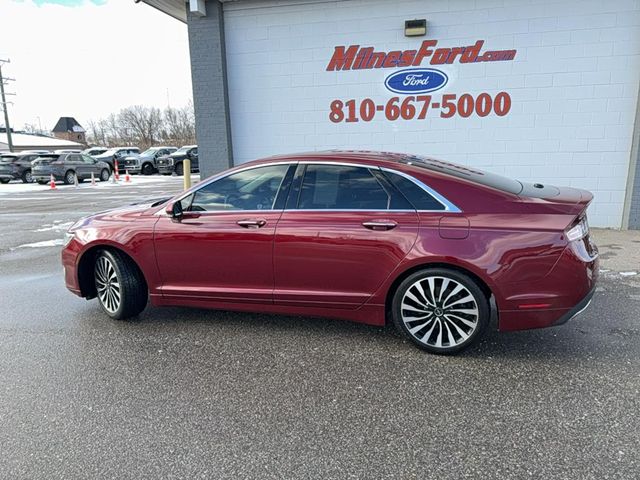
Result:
337,187
419,198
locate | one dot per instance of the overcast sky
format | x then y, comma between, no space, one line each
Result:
88,58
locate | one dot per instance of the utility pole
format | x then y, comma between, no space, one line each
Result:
4,105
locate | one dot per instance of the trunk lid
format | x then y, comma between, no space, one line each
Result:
565,200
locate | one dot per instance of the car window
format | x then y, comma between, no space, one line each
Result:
337,187
87,159
74,158
254,189
419,198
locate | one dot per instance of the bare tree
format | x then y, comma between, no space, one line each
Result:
145,127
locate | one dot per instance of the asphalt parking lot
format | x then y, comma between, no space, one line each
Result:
187,393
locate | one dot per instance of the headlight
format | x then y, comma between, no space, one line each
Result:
68,236
169,161
579,231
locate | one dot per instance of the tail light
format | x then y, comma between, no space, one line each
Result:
578,230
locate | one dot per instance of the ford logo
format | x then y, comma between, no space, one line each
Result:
416,80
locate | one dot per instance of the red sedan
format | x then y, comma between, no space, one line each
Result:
362,236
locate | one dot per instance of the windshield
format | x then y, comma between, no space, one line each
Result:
183,149
472,174
7,158
148,152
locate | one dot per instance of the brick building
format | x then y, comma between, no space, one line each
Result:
67,128
541,91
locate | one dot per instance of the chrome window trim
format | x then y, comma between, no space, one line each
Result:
448,205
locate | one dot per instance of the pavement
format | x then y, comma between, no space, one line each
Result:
188,393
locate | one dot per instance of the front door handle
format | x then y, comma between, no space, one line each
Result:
380,225
252,223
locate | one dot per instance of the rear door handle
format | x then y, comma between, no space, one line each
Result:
252,223
380,224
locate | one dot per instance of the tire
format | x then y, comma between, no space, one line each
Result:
147,169
104,175
435,292
27,177
4,181
115,274
180,169
69,177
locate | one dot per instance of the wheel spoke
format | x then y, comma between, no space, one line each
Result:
465,299
439,337
461,332
468,323
452,294
432,289
417,328
443,287
469,311
416,299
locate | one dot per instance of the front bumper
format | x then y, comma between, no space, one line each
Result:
166,168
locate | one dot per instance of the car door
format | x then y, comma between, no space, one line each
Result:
222,248
343,232
87,167
74,162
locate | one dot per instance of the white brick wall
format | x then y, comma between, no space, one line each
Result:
574,85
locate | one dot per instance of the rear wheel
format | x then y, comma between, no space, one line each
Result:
4,180
147,169
179,169
440,310
104,175
27,177
120,287
42,182
70,177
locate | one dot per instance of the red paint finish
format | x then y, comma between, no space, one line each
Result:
345,264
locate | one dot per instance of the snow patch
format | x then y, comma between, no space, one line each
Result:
628,274
46,243
55,227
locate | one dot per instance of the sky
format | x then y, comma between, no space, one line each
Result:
89,58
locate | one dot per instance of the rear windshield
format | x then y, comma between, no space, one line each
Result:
7,158
474,175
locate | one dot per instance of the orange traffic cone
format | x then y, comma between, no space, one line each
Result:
52,183
127,178
93,180
116,172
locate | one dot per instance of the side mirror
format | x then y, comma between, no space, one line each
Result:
175,210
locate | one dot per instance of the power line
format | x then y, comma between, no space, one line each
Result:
4,104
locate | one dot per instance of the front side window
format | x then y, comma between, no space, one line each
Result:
87,159
337,187
254,189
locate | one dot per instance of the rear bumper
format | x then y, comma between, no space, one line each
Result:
46,176
555,299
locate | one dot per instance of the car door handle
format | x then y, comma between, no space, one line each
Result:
380,224
252,223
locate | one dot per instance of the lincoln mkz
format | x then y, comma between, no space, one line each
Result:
363,236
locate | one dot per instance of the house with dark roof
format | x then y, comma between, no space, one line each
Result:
68,128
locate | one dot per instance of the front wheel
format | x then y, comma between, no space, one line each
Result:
179,169
104,175
27,177
147,169
440,310
70,177
120,287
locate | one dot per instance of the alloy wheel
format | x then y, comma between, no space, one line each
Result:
107,284
28,178
439,312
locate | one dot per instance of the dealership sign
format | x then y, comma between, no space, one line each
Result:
416,80
415,83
